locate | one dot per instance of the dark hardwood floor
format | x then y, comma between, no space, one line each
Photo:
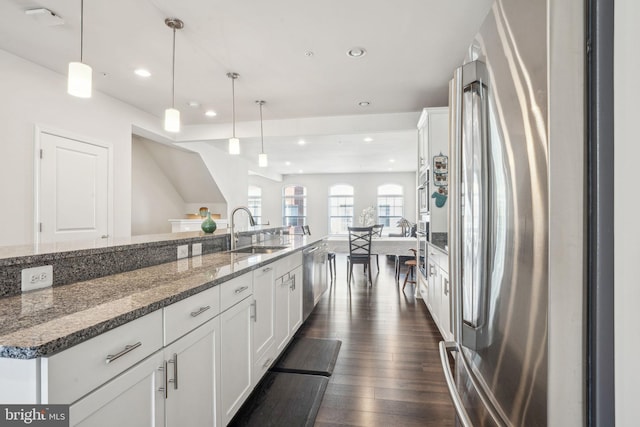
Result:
388,371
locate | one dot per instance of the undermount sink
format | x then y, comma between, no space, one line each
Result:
258,249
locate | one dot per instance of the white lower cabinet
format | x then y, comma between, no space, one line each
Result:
438,291
445,307
236,357
191,371
288,307
264,305
131,399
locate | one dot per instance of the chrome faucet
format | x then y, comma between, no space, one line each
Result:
252,221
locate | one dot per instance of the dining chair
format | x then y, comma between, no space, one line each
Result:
305,230
377,232
411,264
359,250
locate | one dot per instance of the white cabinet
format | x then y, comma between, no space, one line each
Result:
445,306
288,306
236,357
264,305
131,399
438,299
67,376
191,371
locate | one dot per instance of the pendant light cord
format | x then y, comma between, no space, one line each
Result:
81,28
233,104
261,132
173,71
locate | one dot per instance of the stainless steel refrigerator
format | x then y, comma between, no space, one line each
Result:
499,239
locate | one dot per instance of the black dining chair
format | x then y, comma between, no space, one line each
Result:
377,232
359,250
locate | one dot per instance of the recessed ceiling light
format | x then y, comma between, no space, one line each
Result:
300,171
392,160
210,113
356,52
301,142
287,163
142,72
364,103
194,104
368,139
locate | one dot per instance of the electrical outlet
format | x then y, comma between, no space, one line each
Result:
196,249
37,277
183,251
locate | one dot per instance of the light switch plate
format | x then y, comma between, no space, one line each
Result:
196,249
37,277
183,251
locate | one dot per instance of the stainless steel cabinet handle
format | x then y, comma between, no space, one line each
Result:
463,417
127,349
267,362
312,250
174,361
446,286
240,290
200,311
265,270
164,388
254,310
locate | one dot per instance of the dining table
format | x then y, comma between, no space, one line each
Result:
384,245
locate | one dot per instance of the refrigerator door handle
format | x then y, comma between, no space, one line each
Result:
463,417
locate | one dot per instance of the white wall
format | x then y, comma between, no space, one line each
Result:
154,199
365,190
627,206
33,95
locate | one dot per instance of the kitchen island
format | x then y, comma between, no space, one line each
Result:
103,342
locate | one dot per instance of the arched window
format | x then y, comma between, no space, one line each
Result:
390,206
294,205
340,208
255,203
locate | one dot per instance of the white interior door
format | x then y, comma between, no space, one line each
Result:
73,192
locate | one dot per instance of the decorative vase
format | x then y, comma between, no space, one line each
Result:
203,212
209,225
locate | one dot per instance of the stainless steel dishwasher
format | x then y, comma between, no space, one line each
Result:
314,277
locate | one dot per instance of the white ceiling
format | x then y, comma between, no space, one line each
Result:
412,48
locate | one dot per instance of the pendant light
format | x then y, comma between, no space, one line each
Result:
172,115
79,77
234,143
263,162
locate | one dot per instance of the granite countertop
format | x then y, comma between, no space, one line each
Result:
44,322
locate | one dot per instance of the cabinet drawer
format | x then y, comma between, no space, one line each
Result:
262,364
235,290
287,264
188,314
71,374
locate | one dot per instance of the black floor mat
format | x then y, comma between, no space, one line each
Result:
313,356
283,400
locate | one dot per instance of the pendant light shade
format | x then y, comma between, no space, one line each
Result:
79,80
79,77
172,120
172,115
263,161
234,143
234,146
